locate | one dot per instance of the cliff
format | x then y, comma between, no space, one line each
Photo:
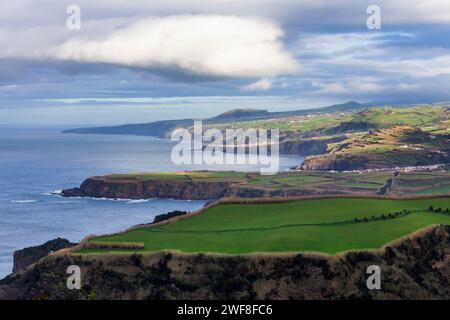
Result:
196,189
101,187
415,268
25,257
307,147
397,146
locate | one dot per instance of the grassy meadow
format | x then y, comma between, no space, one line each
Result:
320,225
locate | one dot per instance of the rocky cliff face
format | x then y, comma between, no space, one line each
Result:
336,163
307,147
25,257
144,189
418,268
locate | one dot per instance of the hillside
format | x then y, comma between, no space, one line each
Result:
163,128
340,137
397,146
213,185
25,257
415,268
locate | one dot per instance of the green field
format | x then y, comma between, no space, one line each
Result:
414,116
181,176
323,225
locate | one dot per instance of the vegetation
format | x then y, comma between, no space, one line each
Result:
181,176
324,225
404,183
421,183
432,118
379,137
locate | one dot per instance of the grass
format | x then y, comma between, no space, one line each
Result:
422,183
437,189
295,179
323,225
415,116
361,185
432,118
182,175
292,123
150,176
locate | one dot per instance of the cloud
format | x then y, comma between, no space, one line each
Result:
202,45
355,86
260,85
141,48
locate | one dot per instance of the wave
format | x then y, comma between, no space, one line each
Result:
60,202
53,193
105,199
137,201
128,201
24,201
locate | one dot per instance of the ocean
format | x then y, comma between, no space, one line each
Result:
36,162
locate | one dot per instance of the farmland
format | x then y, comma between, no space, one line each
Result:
320,225
401,183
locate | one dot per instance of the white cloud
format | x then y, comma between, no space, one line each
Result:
204,45
352,86
260,85
225,39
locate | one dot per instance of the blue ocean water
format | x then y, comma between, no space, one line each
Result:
34,162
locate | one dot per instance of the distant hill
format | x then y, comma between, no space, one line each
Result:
162,128
397,146
155,129
242,114
343,107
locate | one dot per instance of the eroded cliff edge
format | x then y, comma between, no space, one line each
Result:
415,268
27,256
102,187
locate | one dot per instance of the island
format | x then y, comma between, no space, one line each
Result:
374,189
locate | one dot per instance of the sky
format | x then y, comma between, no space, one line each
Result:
138,61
